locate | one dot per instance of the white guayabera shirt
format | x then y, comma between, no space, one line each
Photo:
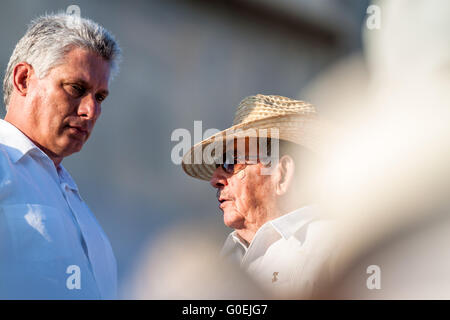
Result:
51,245
288,256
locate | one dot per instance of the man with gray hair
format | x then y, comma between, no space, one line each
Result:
51,245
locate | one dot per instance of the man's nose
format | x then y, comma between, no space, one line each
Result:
218,178
89,108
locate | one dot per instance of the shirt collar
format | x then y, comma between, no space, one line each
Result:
233,247
66,178
287,225
233,236
17,144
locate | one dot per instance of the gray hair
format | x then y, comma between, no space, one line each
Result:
50,37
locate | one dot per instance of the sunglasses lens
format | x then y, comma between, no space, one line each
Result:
228,167
229,164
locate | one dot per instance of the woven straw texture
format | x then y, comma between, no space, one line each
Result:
259,115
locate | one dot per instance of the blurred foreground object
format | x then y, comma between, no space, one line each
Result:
184,263
387,173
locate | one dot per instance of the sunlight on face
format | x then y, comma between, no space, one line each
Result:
246,195
66,103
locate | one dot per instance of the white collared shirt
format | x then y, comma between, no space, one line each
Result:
51,245
287,255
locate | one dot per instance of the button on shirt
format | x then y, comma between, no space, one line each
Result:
288,255
51,245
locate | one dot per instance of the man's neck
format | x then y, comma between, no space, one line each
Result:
286,206
246,235
56,159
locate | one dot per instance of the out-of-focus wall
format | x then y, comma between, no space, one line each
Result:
183,61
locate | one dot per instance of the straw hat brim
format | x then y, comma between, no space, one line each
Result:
302,129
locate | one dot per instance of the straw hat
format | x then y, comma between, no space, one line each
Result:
260,115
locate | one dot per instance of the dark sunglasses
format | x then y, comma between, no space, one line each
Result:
235,164
230,166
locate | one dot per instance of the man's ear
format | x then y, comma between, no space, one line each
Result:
21,77
284,175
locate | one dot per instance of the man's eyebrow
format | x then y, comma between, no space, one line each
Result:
86,84
78,81
104,92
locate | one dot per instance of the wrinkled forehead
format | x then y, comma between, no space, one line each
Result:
86,65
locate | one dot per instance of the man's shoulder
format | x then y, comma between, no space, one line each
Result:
5,159
7,155
6,173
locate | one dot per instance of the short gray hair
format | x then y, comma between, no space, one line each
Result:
50,37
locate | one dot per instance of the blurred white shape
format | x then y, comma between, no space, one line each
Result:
184,263
386,176
34,218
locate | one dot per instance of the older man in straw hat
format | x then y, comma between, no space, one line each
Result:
262,171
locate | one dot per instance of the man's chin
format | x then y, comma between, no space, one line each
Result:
69,149
232,220
71,145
